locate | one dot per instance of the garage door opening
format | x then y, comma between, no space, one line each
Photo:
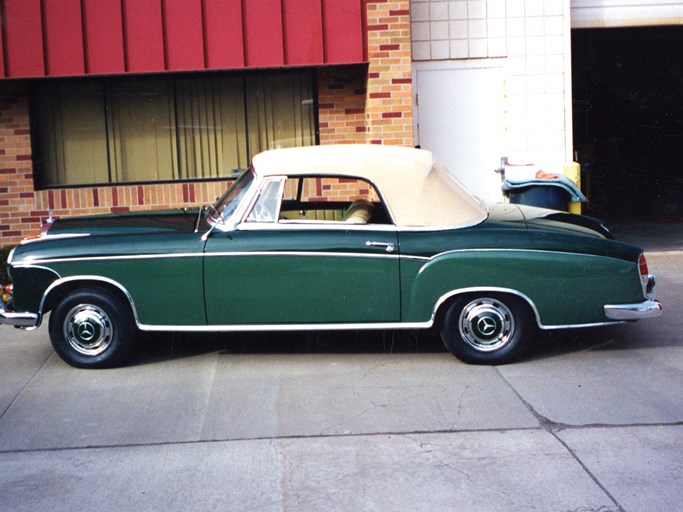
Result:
628,120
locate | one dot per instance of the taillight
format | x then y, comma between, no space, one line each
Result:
646,279
642,265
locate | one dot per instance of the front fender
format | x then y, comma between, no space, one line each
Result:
564,288
30,284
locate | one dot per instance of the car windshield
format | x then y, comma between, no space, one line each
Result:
227,204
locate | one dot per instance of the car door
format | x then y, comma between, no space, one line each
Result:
271,270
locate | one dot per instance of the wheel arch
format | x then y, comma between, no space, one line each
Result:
446,299
62,287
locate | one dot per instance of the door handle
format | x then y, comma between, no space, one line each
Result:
388,246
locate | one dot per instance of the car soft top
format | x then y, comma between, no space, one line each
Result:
419,191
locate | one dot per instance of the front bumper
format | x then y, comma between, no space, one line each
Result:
647,309
25,320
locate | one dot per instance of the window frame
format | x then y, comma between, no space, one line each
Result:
244,223
36,125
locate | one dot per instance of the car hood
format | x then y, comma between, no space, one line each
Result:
158,222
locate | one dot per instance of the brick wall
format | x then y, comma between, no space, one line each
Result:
19,215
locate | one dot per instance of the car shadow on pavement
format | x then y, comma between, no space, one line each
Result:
158,347
552,344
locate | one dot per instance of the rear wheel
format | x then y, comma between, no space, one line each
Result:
487,329
92,328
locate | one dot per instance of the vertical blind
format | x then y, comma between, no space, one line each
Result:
153,129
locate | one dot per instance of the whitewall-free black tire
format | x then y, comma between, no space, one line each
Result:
92,328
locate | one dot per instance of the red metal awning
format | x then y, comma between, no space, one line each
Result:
90,37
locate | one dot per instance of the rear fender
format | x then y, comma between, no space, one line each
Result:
563,289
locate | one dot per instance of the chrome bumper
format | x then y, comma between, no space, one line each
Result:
647,309
18,319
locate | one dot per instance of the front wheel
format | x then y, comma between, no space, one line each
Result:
487,329
92,328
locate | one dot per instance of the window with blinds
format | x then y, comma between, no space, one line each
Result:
158,129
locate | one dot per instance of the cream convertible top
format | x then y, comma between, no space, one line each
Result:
418,190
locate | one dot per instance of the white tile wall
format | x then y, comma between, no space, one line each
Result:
529,40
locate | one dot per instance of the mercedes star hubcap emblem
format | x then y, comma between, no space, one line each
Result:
486,326
86,331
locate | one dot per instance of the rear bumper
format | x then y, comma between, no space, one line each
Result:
18,319
641,310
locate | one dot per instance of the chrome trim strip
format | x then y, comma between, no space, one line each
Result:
10,256
485,289
61,236
577,326
39,267
313,225
101,279
32,263
286,327
502,249
409,229
36,263
521,295
330,224
306,254
415,258
323,327
638,311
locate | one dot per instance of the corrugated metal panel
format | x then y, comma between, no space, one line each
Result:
82,37
625,13
264,46
63,29
343,39
223,34
143,36
103,31
183,35
23,38
303,31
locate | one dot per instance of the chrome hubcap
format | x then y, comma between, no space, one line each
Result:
88,330
486,324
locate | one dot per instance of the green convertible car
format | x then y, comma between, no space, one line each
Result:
327,237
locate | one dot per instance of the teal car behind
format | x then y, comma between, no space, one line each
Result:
327,237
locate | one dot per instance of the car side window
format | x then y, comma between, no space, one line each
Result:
265,208
331,199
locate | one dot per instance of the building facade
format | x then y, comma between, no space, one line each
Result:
131,105
111,106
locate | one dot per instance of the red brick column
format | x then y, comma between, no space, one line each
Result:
373,106
389,108
18,213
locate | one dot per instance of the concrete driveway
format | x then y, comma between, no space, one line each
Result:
589,420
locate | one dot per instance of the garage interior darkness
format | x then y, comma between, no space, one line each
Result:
628,120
